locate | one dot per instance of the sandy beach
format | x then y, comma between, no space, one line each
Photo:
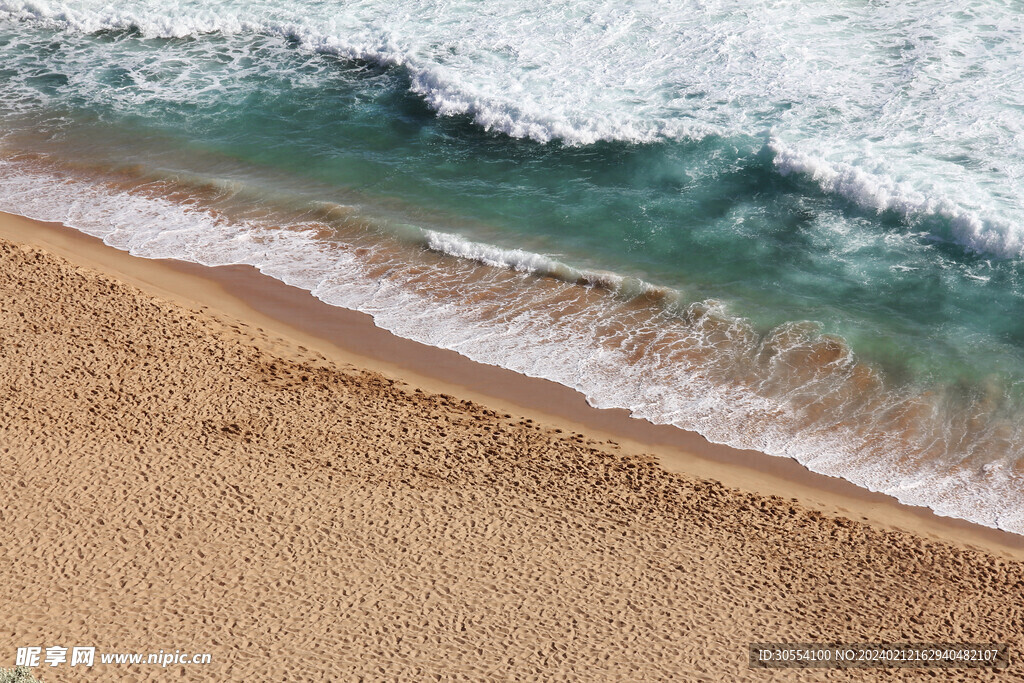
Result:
209,461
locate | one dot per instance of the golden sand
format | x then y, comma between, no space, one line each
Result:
177,474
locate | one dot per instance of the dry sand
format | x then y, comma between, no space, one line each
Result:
177,471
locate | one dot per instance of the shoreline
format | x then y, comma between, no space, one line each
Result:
350,337
183,472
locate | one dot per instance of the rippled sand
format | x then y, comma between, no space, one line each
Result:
175,478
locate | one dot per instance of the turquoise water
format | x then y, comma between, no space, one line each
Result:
794,227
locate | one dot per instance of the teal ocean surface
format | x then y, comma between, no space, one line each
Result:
790,226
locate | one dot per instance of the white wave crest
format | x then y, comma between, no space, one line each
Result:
881,193
521,260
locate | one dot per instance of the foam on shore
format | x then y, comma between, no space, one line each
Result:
791,393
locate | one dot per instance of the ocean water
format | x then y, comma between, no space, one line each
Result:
790,226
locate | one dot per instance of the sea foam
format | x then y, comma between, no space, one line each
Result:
916,130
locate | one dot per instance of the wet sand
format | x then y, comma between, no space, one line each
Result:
208,460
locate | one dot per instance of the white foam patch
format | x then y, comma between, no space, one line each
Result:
881,193
517,259
532,263
538,342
